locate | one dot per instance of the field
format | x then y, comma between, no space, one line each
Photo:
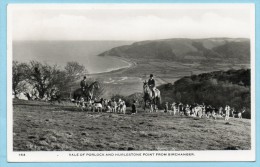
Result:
63,127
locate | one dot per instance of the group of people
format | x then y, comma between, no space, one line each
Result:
200,110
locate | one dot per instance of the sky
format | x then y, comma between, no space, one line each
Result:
133,22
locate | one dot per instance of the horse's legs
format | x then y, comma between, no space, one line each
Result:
154,101
144,104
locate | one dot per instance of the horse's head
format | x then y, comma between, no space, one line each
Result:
145,87
96,85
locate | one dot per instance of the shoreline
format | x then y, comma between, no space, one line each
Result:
110,71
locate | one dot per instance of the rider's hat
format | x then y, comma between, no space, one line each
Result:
151,75
85,77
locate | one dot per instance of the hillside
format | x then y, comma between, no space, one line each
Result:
217,88
67,128
222,50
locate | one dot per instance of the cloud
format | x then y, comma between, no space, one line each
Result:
29,26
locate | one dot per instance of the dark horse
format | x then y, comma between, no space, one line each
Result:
149,97
88,92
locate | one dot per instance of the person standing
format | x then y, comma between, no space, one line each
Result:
134,111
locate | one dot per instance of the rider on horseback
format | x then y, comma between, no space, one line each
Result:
151,84
84,84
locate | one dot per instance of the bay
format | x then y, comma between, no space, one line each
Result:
61,52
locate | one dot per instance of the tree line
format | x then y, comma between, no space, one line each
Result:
217,89
44,77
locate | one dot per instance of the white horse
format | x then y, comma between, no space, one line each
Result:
152,98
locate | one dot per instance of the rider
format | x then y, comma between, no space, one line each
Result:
83,83
151,84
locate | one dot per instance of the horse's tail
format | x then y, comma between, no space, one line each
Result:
159,100
159,97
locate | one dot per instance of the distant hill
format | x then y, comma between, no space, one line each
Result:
234,50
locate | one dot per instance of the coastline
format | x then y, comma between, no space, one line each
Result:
130,63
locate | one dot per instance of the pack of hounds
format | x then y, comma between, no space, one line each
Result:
195,110
103,105
201,110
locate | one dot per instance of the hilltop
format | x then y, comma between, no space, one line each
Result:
231,50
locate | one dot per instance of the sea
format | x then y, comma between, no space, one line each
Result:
60,52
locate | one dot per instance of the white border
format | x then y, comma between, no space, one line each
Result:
82,156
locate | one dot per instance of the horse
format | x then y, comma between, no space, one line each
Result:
148,96
88,92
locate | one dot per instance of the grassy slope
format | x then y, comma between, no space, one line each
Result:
41,126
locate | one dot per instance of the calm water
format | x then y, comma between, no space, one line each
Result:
61,52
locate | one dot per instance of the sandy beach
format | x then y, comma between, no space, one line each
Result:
131,64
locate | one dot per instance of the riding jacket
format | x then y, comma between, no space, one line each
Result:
151,83
83,84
